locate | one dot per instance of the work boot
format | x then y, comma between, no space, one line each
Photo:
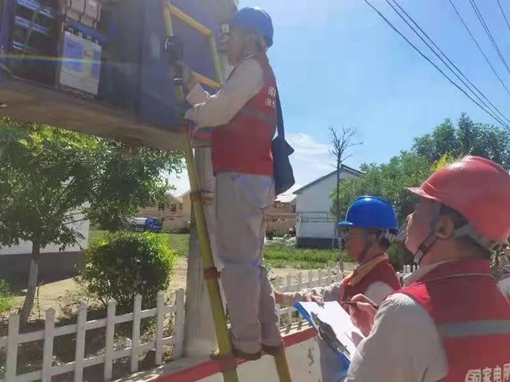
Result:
215,355
273,350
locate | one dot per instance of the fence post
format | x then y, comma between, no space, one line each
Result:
320,278
289,284
12,348
289,309
49,331
278,283
299,281
160,307
110,334
310,277
136,333
179,323
80,342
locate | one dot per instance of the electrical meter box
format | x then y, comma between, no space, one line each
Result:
102,66
80,66
86,12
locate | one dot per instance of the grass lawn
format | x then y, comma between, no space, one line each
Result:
284,256
276,256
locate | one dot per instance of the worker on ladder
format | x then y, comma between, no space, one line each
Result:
372,225
243,115
450,322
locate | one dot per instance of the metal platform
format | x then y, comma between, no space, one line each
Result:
33,102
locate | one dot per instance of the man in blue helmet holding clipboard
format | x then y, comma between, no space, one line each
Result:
372,225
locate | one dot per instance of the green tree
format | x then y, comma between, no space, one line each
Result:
389,181
122,264
468,138
44,176
51,178
128,178
429,153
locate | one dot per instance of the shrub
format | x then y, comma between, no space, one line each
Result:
6,300
399,255
122,264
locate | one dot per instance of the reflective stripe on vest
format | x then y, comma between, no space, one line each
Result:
243,145
473,329
472,318
252,112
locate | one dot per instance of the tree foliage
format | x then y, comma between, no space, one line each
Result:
429,153
467,138
123,264
45,178
129,178
52,178
389,181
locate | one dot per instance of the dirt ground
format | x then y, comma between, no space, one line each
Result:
52,295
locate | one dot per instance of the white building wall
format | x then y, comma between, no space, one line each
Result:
26,246
313,205
316,230
317,198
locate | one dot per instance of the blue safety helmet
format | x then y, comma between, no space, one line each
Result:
371,212
256,19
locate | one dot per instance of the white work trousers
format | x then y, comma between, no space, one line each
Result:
241,202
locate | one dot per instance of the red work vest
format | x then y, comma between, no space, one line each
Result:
382,272
244,144
472,318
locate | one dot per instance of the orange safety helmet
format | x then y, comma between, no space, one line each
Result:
477,188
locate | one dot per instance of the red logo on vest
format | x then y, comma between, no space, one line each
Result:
244,144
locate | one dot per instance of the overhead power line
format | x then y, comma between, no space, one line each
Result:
450,65
489,34
478,46
504,15
431,62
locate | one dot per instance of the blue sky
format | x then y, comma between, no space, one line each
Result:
337,63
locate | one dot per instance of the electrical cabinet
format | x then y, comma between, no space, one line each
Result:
102,67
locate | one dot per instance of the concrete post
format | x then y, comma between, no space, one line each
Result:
200,337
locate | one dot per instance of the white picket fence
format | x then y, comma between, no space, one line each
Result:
309,279
312,279
11,342
50,332
408,269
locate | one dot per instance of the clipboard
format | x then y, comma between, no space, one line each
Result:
334,326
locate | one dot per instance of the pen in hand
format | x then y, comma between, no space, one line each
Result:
348,303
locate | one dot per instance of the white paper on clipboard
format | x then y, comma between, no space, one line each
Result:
338,318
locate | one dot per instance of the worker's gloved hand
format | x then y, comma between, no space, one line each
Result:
314,298
363,313
188,78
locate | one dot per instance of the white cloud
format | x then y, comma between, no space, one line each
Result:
311,158
310,161
180,182
305,144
